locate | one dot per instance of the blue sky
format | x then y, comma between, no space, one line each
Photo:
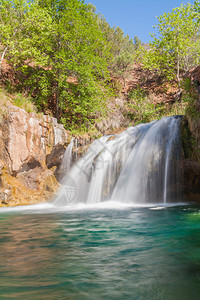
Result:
135,17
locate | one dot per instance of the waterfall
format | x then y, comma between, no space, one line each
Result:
66,161
138,166
76,149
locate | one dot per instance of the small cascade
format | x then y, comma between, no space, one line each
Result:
76,149
67,160
138,166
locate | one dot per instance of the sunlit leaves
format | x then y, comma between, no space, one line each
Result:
178,46
61,52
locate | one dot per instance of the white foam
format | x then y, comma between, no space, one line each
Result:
46,208
157,208
22,208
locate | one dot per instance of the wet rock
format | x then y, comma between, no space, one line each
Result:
28,188
30,177
5,195
191,180
32,163
56,155
48,181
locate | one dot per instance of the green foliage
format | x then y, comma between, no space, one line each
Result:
80,54
141,108
137,93
186,85
189,98
122,49
121,65
115,37
191,124
40,85
139,54
24,31
176,109
60,55
177,48
24,103
137,43
189,143
116,86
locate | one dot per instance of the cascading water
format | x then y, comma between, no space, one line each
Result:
141,165
66,161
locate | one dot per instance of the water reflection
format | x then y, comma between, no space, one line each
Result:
29,249
129,254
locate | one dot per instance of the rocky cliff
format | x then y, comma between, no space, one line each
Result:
26,142
191,139
32,147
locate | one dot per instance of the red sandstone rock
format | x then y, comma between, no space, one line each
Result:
25,142
28,138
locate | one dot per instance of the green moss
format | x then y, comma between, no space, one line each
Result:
189,143
192,112
17,99
191,123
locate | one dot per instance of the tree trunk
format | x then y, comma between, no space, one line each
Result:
2,57
57,108
177,74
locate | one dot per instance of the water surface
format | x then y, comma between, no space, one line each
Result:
124,253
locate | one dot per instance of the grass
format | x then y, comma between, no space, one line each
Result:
141,109
16,99
24,103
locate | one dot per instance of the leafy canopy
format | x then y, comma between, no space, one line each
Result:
177,48
61,54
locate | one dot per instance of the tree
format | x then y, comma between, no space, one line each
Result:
24,30
121,48
61,52
177,48
137,42
121,65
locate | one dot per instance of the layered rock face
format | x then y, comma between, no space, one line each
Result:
191,140
26,141
191,162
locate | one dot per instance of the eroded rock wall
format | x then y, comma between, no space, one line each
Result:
25,142
191,140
